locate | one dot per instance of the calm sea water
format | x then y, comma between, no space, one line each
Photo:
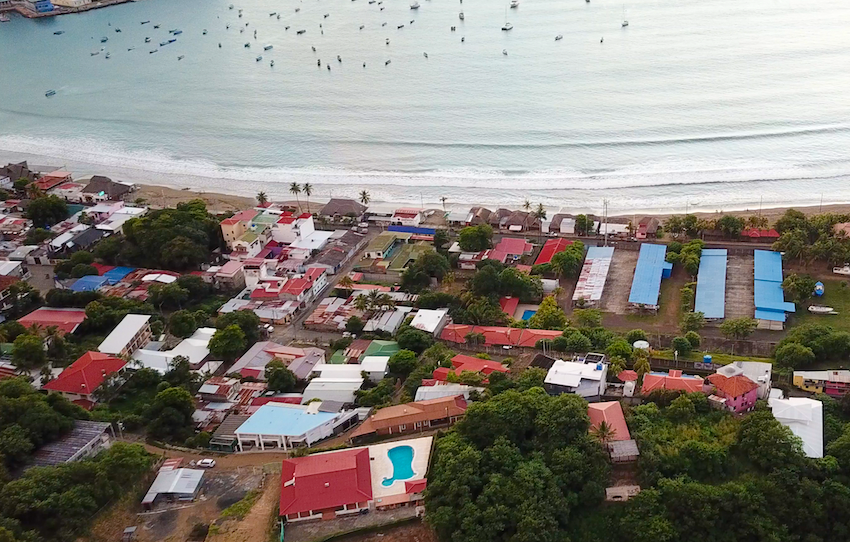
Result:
715,104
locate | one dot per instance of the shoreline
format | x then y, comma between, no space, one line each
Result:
165,196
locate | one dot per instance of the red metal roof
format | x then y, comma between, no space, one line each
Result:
416,486
7,372
734,386
101,269
509,305
86,374
550,248
672,381
513,246
756,233
292,400
611,412
325,481
313,273
241,216
67,320
297,286
500,336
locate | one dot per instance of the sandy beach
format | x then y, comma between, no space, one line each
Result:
163,196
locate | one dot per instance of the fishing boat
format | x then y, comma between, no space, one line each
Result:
145,22
387,63
821,309
301,32
230,6
163,43
460,15
505,52
268,47
181,57
204,32
118,30
147,40
104,39
400,26
152,52
247,45
4,18
259,58
625,22
177,32
272,14
514,3
842,270
559,37
271,63
362,26
59,32
157,25
508,26
131,49
414,5
107,56
50,93
95,53
172,40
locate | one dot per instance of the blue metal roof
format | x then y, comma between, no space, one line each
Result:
89,283
651,268
114,276
599,253
767,287
412,229
711,283
283,419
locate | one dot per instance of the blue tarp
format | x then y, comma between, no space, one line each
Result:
88,284
711,283
651,268
767,287
114,276
414,230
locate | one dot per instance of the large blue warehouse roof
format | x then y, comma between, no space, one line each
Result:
651,268
711,283
767,287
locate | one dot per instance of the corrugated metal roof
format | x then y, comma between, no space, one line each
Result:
651,268
711,283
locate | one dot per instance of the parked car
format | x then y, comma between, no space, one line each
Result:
206,463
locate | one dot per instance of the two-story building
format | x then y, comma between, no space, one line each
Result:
79,380
132,333
737,393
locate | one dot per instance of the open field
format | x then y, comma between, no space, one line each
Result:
836,295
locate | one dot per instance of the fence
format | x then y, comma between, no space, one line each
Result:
390,277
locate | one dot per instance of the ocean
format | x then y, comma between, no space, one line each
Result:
698,104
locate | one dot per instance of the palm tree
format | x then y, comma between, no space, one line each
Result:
527,206
308,191
361,303
262,199
604,433
295,188
385,302
540,214
33,191
642,366
365,198
345,283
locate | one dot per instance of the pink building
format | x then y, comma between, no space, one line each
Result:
737,393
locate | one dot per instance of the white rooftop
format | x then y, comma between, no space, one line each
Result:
336,371
195,348
314,241
571,373
175,482
425,393
805,419
372,364
123,333
429,320
9,267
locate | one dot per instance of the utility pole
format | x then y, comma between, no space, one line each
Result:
605,219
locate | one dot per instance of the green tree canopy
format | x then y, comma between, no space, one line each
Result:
476,238
279,378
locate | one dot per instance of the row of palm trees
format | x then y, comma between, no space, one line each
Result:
294,188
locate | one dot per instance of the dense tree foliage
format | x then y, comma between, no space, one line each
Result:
228,343
476,238
414,339
688,255
170,415
548,316
418,275
46,211
516,468
248,322
825,343
493,279
807,239
176,238
29,419
56,504
402,363
798,288
279,378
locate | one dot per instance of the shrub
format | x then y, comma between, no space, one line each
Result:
693,338
682,345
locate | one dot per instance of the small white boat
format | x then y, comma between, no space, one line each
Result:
95,53
508,26
820,309
271,63
4,18
842,270
460,16
107,55
50,93
414,5
625,21
559,37
259,58
181,57
268,47
505,52
230,6
514,3
204,32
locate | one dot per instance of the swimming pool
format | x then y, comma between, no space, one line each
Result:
528,314
402,459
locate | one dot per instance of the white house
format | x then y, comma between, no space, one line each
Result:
584,379
407,217
374,366
804,417
341,390
430,320
131,334
195,349
285,426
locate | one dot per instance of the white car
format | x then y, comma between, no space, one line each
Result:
206,463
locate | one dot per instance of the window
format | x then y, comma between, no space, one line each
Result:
402,427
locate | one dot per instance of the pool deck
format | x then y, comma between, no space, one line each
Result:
382,467
522,307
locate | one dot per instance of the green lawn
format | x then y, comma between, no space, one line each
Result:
837,296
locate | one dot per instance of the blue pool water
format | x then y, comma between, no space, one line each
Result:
528,314
402,459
